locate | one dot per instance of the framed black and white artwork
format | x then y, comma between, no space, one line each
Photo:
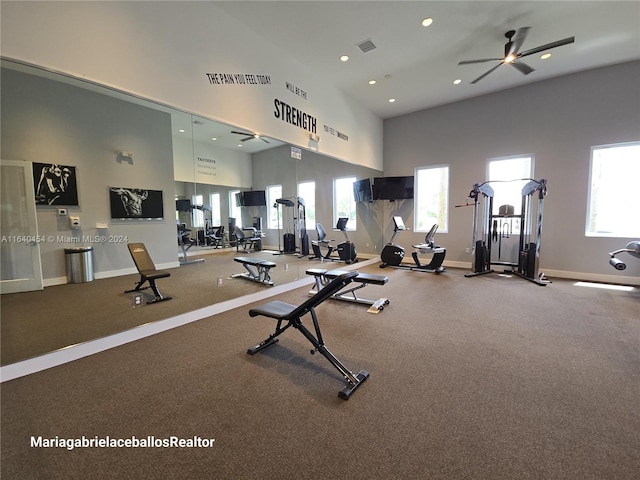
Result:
55,184
136,203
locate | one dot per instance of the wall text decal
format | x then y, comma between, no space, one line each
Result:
238,79
294,116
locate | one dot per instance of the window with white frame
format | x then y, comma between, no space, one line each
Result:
431,201
197,213
216,216
344,205
307,191
234,209
273,192
613,203
507,176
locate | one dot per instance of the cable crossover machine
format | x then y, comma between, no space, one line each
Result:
493,229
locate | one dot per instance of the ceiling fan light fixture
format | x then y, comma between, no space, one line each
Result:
509,58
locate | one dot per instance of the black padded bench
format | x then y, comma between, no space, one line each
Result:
322,277
147,270
257,270
289,315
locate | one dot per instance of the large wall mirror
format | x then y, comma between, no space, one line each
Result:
111,140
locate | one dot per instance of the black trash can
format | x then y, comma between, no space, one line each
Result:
79,261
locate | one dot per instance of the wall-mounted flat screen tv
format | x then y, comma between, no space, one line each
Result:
393,188
254,198
135,203
183,205
362,190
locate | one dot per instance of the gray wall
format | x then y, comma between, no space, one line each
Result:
558,121
51,122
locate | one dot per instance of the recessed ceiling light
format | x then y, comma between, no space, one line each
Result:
181,130
372,82
391,100
344,58
545,56
457,82
239,144
214,138
427,21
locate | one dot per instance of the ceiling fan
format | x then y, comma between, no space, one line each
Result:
512,54
249,136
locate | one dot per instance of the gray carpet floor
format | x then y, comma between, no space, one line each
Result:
471,378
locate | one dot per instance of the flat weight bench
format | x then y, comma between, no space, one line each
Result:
289,315
323,277
147,270
257,270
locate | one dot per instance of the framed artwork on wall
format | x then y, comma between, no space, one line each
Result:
135,203
55,184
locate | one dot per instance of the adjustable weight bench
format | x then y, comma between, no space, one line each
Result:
322,277
262,274
147,270
289,315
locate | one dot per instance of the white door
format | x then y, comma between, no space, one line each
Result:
21,270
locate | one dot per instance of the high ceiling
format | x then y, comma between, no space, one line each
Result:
417,65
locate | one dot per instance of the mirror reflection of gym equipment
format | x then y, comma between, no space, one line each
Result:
498,228
632,248
393,254
185,242
293,213
346,250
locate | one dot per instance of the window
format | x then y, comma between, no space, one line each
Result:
274,216
508,176
431,198
307,191
197,213
612,203
234,210
216,217
344,205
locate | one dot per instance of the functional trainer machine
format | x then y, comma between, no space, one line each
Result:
393,254
289,315
632,248
292,223
491,227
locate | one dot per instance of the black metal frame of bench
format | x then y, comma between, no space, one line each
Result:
292,315
262,275
323,277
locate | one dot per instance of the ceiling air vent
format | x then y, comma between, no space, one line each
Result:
198,122
366,46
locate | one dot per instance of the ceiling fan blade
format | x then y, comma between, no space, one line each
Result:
240,133
522,67
548,46
481,60
521,34
248,138
486,73
265,141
